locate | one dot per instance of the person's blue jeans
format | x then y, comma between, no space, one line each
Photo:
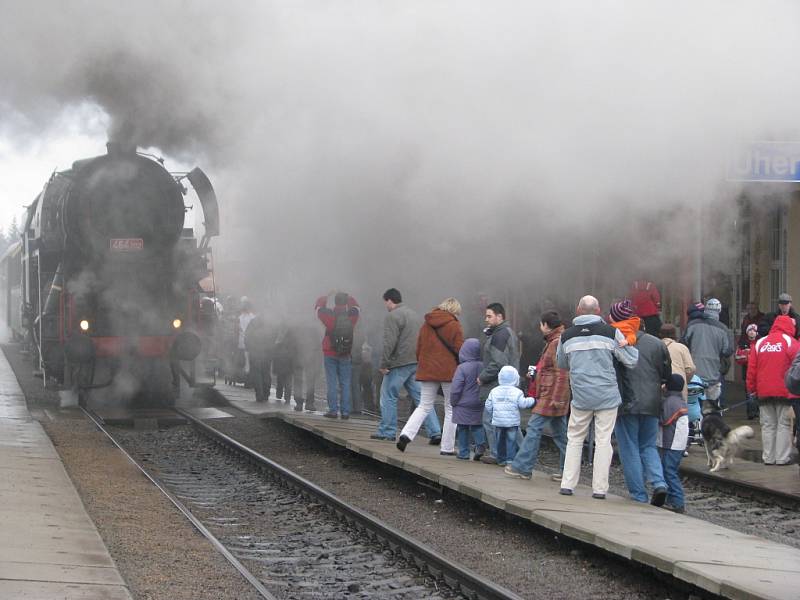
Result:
490,433
528,452
670,462
338,375
390,391
463,433
752,406
636,444
506,444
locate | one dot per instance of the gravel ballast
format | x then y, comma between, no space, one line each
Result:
532,562
158,552
297,548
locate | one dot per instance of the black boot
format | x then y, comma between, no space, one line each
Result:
402,443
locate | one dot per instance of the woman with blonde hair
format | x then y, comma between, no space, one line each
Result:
438,343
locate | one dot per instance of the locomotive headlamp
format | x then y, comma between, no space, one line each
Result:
84,325
177,323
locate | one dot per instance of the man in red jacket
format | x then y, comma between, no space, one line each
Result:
768,362
647,304
337,346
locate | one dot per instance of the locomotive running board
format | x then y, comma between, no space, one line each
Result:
208,200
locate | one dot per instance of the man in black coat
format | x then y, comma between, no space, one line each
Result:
259,340
638,417
784,308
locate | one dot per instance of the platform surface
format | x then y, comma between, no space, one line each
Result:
784,480
720,560
50,547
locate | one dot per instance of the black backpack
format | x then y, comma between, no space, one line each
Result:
342,335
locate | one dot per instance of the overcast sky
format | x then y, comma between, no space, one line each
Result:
26,163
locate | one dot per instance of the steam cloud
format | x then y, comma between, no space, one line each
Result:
440,147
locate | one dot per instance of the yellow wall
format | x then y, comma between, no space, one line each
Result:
760,260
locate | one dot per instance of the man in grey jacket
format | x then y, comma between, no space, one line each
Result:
399,367
637,422
588,350
499,350
709,342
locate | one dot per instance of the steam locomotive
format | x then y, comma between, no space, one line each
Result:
108,279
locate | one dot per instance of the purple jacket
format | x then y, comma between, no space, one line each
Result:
464,390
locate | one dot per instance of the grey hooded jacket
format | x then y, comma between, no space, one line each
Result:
640,387
400,330
708,341
588,349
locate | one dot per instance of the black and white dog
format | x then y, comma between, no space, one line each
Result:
720,441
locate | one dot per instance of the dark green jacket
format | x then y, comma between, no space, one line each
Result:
400,330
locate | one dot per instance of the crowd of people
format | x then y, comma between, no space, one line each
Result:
623,374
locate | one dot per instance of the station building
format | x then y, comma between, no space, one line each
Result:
764,229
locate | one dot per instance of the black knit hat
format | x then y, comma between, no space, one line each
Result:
675,383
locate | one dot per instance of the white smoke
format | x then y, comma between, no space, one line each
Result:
437,146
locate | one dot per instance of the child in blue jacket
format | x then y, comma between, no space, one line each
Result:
503,404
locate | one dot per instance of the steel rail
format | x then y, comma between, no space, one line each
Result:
465,580
259,587
743,489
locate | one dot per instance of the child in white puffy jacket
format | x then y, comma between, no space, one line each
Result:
503,404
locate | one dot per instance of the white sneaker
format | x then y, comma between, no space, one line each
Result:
556,476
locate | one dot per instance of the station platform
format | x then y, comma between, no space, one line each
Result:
718,560
50,547
749,472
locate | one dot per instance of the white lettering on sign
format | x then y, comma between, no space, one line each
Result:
771,347
127,244
767,161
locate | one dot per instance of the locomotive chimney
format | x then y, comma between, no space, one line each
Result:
119,148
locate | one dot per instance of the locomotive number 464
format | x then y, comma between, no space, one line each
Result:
127,244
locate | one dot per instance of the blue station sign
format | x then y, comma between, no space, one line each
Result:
767,161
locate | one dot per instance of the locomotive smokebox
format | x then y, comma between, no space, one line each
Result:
122,203
111,205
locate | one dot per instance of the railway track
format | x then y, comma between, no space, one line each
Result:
288,537
758,511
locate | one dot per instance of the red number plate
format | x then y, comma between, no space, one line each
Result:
127,244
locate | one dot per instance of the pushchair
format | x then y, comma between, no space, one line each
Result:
696,389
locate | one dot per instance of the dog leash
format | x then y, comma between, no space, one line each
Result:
727,408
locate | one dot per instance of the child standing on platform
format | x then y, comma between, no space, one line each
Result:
673,434
746,343
503,404
466,402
